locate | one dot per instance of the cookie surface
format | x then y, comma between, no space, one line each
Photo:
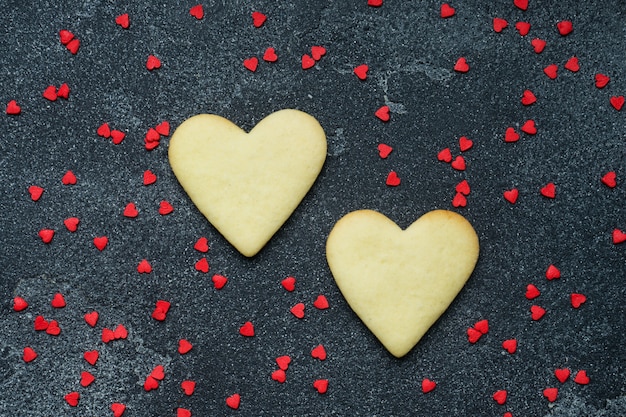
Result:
248,184
400,281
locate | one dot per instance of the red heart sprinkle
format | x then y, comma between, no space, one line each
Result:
617,102
197,11
152,135
158,373
317,52
91,318
29,354
219,281
184,346
473,335
510,135
152,145
71,223
117,136
53,329
279,376
463,187
202,245
562,374
319,352
150,383
118,409
549,190
572,64
551,394
482,326
130,210
123,20
528,98
384,150
19,304
73,46
153,63
69,178
58,301
459,163
601,80
233,401
500,396
13,108
258,19
183,412
104,130
298,310
270,55
188,386
610,179
459,200
553,273
532,292
163,305
428,385
91,357
283,362
538,45
321,303
307,62
120,332
446,11
581,377
64,91
510,345
521,4
46,235
100,242
392,179
565,27
65,36
40,323
618,236
86,378
321,385
158,314
289,283
529,127
461,65
537,312
35,192
522,28
165,208
50,93
445,155
465,143
511,195
383,113
499,24
577,299
72,398
202,265
361,71
149,177
251,63
163,128
247,329
551,71
144,267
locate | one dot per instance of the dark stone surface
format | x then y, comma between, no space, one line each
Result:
411,52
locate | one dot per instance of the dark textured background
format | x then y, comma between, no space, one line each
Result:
411,52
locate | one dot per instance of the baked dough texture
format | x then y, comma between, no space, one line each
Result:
248,184
400,281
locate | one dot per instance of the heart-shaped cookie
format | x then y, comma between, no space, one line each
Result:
248,184
400,281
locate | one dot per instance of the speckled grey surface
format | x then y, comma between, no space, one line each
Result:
411,52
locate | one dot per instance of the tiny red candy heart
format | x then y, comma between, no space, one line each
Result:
529,127
233,401
384,150
521,4
551,71
91,318
71,223
528,98
618,236
107,335
321,303
118,409
610,179
499,24
361,71
202,245
463,187
446,11
383,113
562,374
577,299
258,19
197,11
251,64
565,27
247,329
29,354
538,45
183,412
321,385
581,377
279,376
73,46
511,195
307,62
532,292
123,20
58,301
86,378
465,143
149,177
428,385
35,192
117,136
317,52
537,312
152,135
319,352
65,36
165,208
50,93
523,28
601,80
46,235
482,326
53,329
150,383
283,362
298,310
188,386
549,190
120,332
510,135
445,155
552,273
158,373
551,394
473,335
459,163
500,396
72,398
461,65
130,210
13,108
510,345
153,63
572,64
163,128
617,102
219,281
40,323
91,357
459,200
104,130
64,91
270,55
184,346
289,283
19,304
160,310
202,265
393,180
100,242
69,178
